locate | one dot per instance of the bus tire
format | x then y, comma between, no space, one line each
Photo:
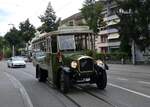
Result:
101,80
42,75
37,71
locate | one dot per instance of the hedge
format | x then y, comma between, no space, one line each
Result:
108,56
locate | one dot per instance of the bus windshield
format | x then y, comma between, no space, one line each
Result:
66,42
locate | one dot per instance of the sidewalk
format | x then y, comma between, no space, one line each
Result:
10,95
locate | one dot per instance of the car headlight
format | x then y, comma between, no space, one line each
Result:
74,64
100,63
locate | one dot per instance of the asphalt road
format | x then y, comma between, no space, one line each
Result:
128,86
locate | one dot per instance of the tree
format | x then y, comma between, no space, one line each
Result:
27,30
13,37
1,43
4,47
91,11
134,21
49,22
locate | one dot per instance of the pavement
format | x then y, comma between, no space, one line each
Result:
11,93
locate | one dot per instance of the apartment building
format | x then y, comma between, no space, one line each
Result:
108,37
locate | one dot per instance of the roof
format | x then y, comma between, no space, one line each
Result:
75,16
72,30
66,30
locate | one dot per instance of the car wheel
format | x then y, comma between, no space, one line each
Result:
11,65
101,80
64,82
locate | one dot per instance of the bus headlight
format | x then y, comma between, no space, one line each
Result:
100,63
74,64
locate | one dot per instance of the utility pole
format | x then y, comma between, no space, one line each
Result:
13,51
133,53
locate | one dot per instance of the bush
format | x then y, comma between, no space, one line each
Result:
8,52
111,56
115,56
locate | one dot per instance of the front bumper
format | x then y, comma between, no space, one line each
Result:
18,65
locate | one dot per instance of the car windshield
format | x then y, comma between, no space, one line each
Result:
17,59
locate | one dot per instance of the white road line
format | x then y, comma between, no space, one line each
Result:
22,90
143,82
122,79
129,90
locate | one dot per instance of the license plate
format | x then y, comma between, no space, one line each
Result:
87,79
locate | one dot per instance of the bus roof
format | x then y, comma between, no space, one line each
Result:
66,30
72,30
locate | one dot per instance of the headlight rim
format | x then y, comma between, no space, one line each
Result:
100,63
74,64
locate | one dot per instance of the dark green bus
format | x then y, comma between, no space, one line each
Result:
60,57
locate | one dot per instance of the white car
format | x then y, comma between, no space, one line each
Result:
16,62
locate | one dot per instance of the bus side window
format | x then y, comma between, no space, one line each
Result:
54,44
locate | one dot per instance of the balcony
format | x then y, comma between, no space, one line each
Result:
113,22
102,45
110,18
103,32
113,36
114,43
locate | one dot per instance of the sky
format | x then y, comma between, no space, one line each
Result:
12,12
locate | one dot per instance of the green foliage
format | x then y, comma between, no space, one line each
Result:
134,21
27,30
125,46
91,12
108,56
4,47
18,38
13,37
1,43
49,20
112,56
8,52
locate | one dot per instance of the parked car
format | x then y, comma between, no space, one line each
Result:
16,62
25,58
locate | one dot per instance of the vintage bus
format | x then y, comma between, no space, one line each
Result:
60,57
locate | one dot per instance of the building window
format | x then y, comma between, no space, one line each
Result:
103,38
71,23
104,49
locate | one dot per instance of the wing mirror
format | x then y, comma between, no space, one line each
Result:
106,67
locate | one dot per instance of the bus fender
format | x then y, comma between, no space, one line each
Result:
98,69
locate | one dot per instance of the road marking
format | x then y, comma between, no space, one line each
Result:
143,82
122,79
22,90
129,90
